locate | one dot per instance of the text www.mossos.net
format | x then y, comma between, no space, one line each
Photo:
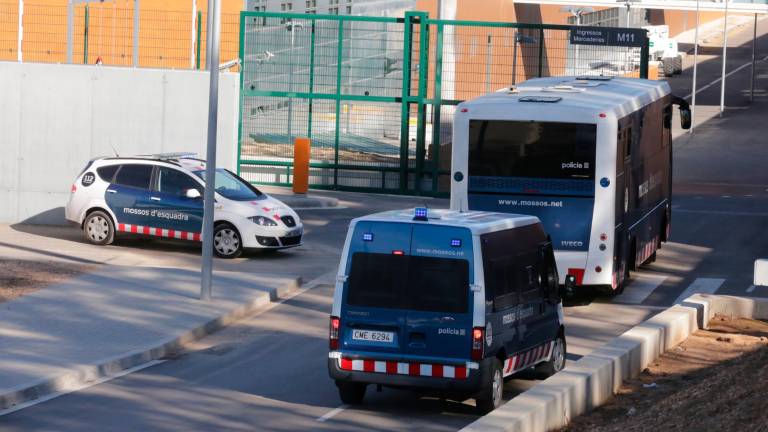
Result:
530,203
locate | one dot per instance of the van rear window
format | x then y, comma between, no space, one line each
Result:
409,282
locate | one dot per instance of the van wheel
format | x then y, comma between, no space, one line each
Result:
98,228
557,359
226,241
351,393
490,397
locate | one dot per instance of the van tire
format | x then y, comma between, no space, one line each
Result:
557,360
98,228
351,393
491,396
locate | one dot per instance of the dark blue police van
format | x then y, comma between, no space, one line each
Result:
445,301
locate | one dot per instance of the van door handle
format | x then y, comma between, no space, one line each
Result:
155,198
111,191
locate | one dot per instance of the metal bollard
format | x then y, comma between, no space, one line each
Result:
301,149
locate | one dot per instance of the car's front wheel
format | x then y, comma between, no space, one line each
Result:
226,241
99,228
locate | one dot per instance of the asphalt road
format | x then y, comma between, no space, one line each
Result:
268,372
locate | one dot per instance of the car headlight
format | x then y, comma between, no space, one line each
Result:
263,221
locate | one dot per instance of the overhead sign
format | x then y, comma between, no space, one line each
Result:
607,36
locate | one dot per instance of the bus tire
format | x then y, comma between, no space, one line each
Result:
490,397
668,66
351,393
678,62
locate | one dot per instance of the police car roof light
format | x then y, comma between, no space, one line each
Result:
175,155
420,214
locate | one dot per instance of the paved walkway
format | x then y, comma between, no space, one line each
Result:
69,333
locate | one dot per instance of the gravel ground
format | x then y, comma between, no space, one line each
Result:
714,381
21,277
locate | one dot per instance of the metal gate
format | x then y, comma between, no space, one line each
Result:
376,94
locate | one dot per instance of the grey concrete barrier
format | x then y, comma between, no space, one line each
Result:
596,377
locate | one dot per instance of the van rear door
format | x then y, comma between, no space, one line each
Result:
373,311
439,319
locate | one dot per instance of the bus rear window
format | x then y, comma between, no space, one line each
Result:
503,148
409,282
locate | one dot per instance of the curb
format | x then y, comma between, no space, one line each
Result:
86,374
596,377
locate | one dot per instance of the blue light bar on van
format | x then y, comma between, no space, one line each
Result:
420,214
367,236
455,242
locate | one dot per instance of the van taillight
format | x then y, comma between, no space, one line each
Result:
478,347
333,333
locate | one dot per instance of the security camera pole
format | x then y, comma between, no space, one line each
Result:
210,166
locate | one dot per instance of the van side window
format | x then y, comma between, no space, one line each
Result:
501,283
528,276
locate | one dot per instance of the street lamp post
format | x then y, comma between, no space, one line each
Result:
519,39
577,12
291,27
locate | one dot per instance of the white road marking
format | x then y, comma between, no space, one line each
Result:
330,414
102,380
751,288
700,286
640,288
701,89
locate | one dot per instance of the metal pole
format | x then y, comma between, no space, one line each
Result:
695,69
208,34
85,37
199,34
290,85
19,56
194,35
136,33
576,63
754,53
514,60
725,51
214,16
70,29
488,65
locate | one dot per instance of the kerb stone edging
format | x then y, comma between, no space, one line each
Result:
85,374
593,379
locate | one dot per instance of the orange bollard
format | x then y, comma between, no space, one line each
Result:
301,147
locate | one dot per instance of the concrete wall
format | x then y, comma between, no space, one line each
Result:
54,118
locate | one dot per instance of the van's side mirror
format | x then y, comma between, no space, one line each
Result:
192,194
570,285
685,112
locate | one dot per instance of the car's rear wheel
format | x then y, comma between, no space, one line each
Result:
351,393
556,361
99,228
226,241
491,396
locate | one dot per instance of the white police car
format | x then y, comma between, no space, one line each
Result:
161,196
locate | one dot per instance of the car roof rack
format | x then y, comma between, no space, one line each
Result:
174,155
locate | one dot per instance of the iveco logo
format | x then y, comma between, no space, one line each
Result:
572,243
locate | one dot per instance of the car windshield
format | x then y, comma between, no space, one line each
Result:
232,187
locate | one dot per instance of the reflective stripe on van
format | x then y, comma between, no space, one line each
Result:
528,358
404,368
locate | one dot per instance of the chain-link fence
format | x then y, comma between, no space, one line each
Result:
104,32
376,95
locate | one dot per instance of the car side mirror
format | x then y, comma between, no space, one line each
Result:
685,117
192,194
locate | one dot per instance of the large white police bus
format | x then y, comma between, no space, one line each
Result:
591,157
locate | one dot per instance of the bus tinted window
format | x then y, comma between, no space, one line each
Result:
502,148
409,282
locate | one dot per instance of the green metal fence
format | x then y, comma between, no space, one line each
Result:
376,94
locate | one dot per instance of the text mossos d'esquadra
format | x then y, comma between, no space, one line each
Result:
162,214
